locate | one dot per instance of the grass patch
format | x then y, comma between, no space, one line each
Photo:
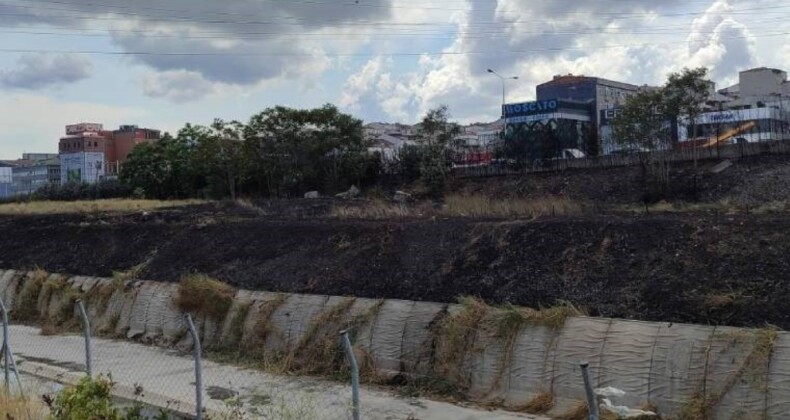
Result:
202,295
90,206
482,206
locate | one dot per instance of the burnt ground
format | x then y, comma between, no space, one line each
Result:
692,267
751,181
705,269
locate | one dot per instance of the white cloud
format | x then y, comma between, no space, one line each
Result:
36,71
177,85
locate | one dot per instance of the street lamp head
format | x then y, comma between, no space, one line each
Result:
515,77
490,71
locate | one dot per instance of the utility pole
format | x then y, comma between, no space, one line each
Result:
504,118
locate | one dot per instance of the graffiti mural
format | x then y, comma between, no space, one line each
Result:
534,142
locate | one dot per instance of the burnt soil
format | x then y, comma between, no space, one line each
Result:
697,267
705,269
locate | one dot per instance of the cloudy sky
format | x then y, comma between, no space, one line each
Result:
163,63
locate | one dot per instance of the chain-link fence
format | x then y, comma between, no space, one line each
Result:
65,339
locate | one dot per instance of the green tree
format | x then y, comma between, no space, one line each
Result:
436,133
643,127
685,95
218,155
296,150
641,124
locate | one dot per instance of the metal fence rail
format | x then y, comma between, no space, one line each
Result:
503,167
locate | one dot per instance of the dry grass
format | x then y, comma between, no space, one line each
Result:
715,301
48,329
319,351
481,206
251,348
379,209
456,334
26,306
725,206
541,403
203,295
462,206
753,371
90,206
579,411
14,407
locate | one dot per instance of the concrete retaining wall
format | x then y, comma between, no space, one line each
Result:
736,372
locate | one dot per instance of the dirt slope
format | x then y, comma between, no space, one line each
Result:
708,268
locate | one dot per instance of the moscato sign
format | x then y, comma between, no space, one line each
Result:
530,108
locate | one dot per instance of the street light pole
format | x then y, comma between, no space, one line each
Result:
502,79
504,118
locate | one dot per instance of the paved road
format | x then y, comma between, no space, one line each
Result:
162,377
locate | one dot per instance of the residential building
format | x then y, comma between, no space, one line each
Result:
125,138
39,156
89,153
27,176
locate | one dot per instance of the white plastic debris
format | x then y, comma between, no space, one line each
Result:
609,391
624,412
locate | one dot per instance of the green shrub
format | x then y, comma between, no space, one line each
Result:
91,399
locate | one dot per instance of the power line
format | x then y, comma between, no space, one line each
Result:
398,54
354,35
273,21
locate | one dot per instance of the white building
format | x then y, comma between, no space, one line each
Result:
6,179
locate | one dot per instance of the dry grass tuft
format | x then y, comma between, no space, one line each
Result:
26,306
90,206
753,371
456,334
203,295
17,407
541,403
715,301
579,411
378,209
48,329
319,349
481,206
461,206
555,316
251,348
248,205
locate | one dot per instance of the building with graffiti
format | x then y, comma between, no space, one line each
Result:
540,131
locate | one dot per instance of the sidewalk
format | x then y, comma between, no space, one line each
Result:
165,378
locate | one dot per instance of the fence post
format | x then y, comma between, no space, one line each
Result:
198,369
6,351
352,360
592,402
8,355
86,327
